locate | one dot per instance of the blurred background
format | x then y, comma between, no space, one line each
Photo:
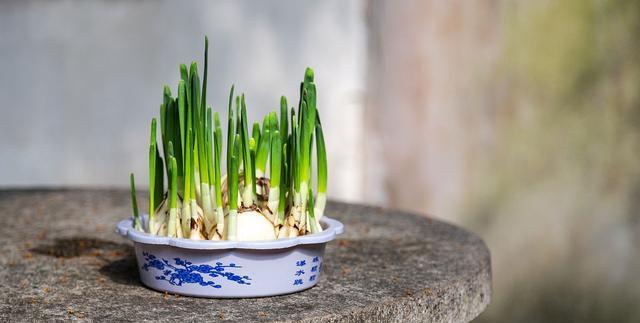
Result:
517,119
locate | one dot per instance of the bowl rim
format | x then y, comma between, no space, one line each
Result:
331,230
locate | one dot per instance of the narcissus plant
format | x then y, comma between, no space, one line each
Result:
267,191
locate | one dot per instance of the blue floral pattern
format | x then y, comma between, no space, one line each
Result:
185,272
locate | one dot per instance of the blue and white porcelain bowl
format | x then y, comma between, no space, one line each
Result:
230,269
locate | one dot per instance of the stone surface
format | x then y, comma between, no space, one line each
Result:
60,259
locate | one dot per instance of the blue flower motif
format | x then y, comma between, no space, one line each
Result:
185,272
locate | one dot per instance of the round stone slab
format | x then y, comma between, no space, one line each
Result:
60,259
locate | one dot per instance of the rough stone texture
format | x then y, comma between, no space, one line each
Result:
60,259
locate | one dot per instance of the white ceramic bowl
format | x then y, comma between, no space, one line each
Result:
230,269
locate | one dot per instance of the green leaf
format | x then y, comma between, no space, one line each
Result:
217,158
321,154
182,109
230,130
276,160
173,182
232,176
284,118
159,182
262,152
209,146
152,168
134,202
203,102
248,196
255,134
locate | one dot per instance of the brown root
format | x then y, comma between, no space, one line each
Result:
197,225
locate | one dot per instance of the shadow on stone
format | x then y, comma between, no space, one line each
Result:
81,246
118,258
122,271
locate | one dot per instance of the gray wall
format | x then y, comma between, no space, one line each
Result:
80,81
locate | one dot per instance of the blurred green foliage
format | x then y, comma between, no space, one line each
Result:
559,200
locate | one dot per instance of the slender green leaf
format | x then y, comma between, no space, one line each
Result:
182,109
232,179
217,158
248,195
312,216
284,124
262,152
321,155
152,168
184,74
209,146
173,182
276,160
255,133
159,182
134,202
203,102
